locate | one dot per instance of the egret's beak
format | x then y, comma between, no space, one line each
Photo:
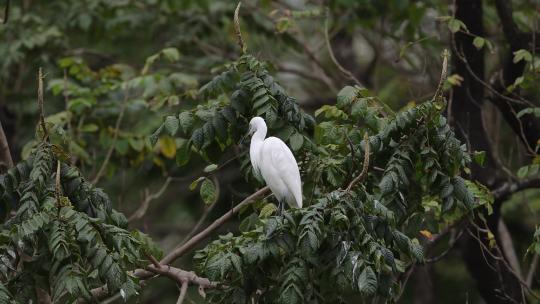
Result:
249,133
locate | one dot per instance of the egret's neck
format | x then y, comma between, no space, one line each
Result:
259,135
256,144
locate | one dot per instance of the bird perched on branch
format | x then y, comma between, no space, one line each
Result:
274,161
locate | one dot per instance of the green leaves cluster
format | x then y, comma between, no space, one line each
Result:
65,240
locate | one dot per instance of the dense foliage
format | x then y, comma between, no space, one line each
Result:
359,239
64,235
404,173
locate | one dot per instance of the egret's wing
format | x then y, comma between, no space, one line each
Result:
285,166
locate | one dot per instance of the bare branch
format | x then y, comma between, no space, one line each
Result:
365,167
237,30
6,161
503,192
6,12
57,185
183,292
113,142
532,270
40,105
444,74
141,211
333,57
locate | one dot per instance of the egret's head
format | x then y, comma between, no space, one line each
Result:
256,124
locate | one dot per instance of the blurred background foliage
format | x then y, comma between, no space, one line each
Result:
114,68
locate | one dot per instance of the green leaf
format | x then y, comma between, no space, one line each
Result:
479,42
267,210
155,136
208,192
183,153
186,121
198,138
296,141
171,125
479,157
195,183
522,54
89,128
172,54
346,96
210,168
455,25
367,281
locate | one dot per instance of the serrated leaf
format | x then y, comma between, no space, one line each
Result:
186,121
171,125
208,191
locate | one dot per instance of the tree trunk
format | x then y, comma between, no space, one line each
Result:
495,282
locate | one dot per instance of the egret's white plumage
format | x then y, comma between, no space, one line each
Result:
274,161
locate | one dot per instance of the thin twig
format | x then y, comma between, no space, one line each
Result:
6,12
532,270
57,185
445,252
153,260
40,105
501,259
183,291
333,57
444,75
113,143
199,223
365,167
241,43
141,211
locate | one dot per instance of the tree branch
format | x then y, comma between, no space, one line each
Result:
113,142
6,12
6,161
237,30
141,211
526,127
333,57
507,189
40,105
179,251
365,167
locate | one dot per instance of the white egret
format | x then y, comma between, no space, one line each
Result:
274,161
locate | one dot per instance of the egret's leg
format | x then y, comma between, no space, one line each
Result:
280,207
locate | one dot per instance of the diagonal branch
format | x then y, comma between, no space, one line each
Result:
6,161
187,246
342,69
